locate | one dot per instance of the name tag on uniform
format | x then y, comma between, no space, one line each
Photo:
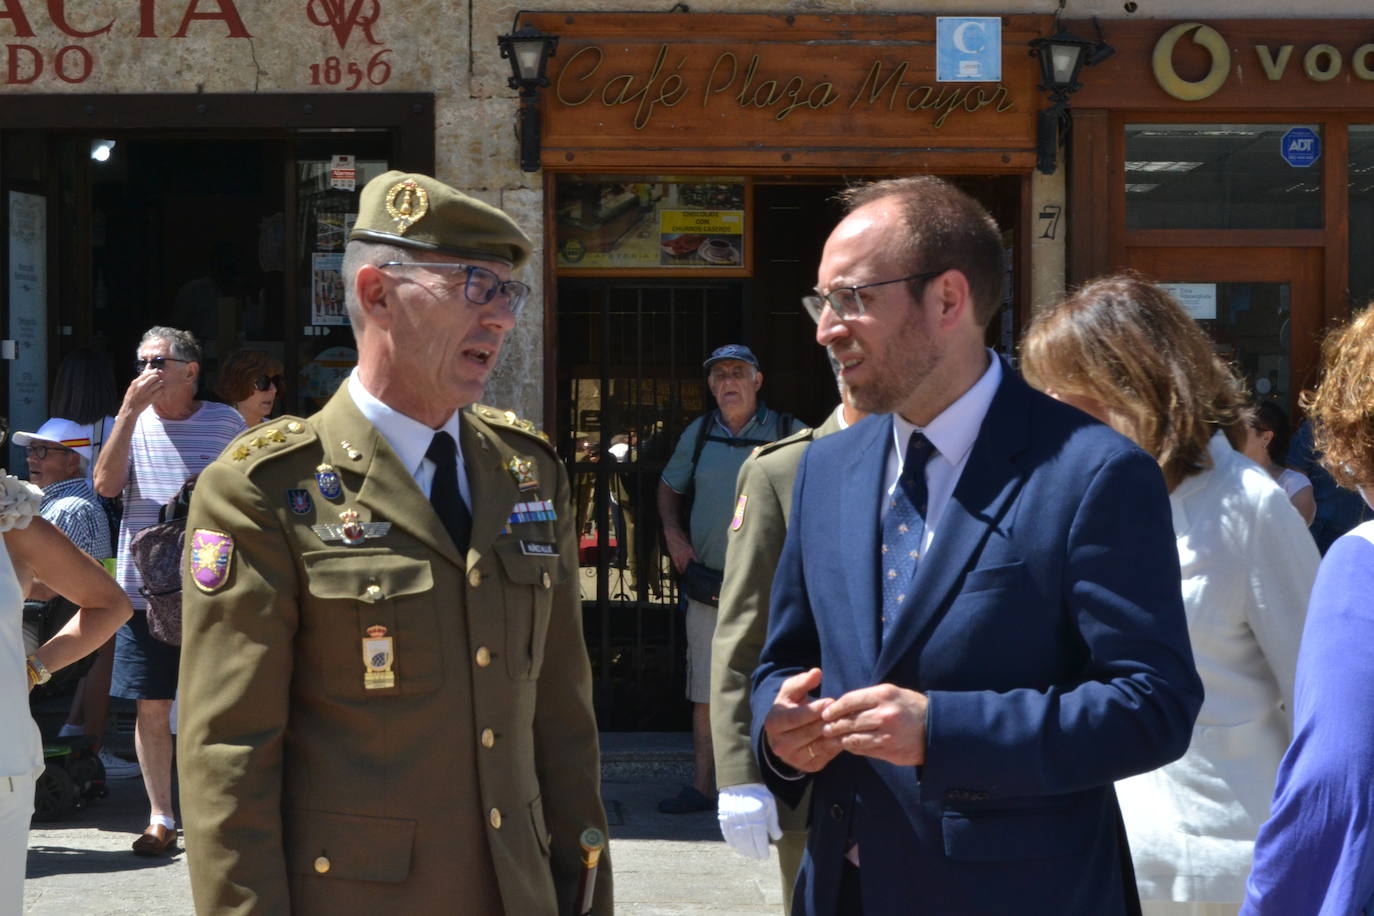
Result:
538,549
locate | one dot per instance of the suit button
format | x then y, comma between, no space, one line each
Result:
488,737
546,579
836,812
483,656
322,865
496,818
475,577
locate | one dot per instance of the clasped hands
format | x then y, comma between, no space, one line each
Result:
885,722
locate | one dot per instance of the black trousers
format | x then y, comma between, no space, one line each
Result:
850,900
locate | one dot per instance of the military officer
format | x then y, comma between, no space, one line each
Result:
386,702
746,809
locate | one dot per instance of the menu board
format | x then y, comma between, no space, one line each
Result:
650,225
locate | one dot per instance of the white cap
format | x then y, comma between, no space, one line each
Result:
67,433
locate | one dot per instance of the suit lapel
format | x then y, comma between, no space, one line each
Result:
861,496
990,480
486,458
383,484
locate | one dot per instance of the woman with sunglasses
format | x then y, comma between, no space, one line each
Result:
250,380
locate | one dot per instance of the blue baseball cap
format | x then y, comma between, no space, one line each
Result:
731,351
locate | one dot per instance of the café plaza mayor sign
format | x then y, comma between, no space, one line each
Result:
1320,62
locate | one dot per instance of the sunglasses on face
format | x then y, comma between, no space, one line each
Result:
155,362
41,451
263,382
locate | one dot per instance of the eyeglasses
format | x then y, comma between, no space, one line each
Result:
156,362
847,302
263,382
480,285
41,451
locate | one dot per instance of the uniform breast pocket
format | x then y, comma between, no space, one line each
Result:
369,627
528,597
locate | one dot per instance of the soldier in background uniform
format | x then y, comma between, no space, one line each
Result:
386,702
748,814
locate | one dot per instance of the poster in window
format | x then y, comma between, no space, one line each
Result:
327,289
651,225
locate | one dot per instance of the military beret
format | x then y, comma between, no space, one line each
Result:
417,211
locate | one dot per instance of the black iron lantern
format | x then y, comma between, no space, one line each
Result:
528,51
1061,56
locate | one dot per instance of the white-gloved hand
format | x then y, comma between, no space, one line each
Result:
748,816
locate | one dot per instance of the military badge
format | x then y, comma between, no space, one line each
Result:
327,479
295,428
379,654
274,435
737,522
540,510
406,204
352,530
522,469
211,553
241,453
299,501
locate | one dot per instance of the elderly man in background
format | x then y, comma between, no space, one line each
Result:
702,470
58,456
387,697
162,437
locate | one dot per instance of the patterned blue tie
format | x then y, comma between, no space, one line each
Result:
903,528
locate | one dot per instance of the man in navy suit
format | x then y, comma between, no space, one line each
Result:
977,623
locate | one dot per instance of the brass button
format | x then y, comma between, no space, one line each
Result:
496,818
373,594
322,865
474,577
483,656
488,737
546,579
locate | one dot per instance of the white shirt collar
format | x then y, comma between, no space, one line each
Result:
408,437
953,432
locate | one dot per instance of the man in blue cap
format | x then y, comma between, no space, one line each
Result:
703,469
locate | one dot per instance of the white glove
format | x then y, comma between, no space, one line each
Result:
748,817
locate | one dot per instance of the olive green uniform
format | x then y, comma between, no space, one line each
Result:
763,500
457,780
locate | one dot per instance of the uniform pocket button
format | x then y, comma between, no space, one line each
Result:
488,737
322,865
496,818
836,812
475,577
546,579
483,656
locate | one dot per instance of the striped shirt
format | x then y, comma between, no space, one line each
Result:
163,455
75,510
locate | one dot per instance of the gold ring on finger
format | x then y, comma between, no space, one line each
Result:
812,751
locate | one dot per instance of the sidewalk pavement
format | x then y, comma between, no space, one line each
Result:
665,865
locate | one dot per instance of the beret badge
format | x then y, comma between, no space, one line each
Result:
407,203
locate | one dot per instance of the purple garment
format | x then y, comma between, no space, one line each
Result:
1315,854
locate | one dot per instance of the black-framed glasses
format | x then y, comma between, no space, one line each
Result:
846,301
480,285
41,451
155,362
263,382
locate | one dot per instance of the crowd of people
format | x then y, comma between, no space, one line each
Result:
1055,640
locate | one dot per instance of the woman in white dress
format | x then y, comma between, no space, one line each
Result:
1266,444
1124,351
32,549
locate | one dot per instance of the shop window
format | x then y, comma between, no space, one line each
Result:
1361,214
1251,325
1223,176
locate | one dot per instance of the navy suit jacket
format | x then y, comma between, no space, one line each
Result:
1046,626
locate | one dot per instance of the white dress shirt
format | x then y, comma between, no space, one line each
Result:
952,433
408,437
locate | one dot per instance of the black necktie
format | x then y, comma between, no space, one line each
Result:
903,529
444,495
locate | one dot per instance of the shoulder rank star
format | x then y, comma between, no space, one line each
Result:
351,530
522,469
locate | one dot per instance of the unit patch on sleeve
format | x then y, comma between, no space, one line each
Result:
737,522
211,554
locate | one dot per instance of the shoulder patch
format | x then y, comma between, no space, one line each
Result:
508,419
266,441
800,436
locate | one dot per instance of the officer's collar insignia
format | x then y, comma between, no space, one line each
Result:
522,469
327,479
406,204
211,554
299,501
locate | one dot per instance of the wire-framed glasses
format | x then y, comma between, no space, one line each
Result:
480,285
847,302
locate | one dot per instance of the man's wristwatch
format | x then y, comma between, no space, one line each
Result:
38,672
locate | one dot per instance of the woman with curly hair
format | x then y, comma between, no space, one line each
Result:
1315,854
250,381
1124,351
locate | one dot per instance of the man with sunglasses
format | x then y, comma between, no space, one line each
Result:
163,436
974,627
386,700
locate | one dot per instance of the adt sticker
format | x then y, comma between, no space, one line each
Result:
968,49
1301,147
